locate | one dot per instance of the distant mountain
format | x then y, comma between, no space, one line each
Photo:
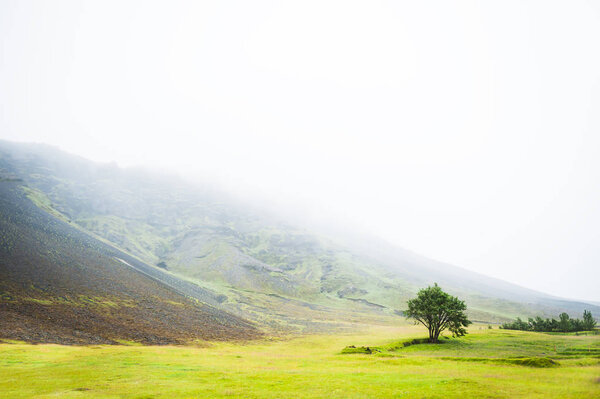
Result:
259,267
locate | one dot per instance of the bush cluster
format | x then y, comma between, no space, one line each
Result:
563,324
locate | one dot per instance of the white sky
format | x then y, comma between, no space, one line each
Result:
465,131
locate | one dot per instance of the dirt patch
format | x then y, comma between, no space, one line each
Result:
366,350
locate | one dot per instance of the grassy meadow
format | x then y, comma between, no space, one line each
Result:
484,364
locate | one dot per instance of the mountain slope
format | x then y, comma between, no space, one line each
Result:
264,270
58,284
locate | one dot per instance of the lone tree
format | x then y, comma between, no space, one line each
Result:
437,311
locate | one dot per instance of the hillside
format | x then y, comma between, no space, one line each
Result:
252,263
58,284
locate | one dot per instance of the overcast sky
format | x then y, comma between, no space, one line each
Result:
468,132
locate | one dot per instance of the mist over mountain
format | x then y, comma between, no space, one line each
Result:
249,262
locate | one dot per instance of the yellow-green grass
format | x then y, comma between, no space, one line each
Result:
309,367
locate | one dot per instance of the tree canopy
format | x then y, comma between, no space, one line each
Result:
438,311
563,324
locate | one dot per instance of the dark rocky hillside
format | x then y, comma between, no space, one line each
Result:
58,284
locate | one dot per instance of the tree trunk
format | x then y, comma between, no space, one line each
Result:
434,334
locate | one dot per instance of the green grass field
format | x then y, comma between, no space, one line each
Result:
484,364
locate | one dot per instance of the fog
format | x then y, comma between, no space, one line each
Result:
468,132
